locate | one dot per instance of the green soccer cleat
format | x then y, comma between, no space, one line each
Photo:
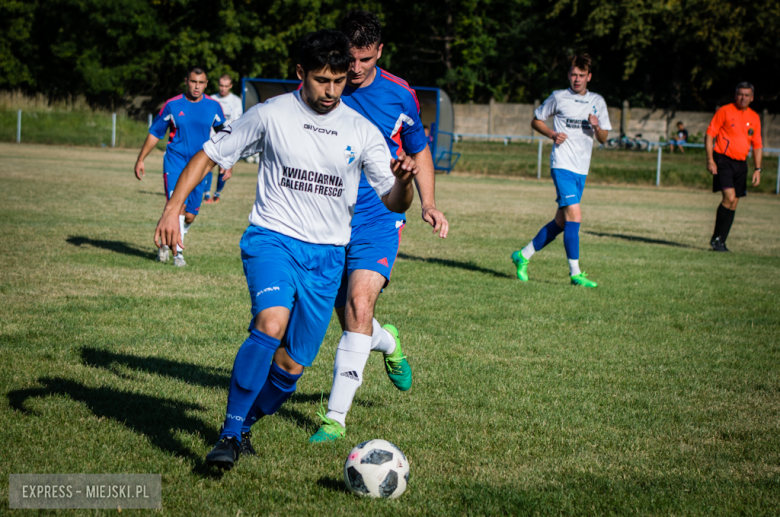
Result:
396,365
329,431
582,279
522,266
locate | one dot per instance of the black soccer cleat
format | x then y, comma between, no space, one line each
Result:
245,447
718,245
224,454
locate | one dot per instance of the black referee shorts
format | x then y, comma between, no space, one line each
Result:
731,174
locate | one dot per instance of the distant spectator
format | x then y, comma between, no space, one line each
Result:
682,138
428,135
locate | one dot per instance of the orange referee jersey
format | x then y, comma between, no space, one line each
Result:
735,131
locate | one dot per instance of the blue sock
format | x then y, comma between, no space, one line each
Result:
250,371
571,240
546,235
220,183
279,386
207,184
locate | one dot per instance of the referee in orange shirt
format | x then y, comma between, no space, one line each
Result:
733,130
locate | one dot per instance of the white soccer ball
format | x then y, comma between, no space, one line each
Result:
376,468
250,159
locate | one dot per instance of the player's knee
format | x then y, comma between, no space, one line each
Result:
188,217
271,326
287,363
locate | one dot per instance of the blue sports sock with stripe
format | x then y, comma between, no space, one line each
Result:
250,372
571,240
279,386
220,183
207,184
546,235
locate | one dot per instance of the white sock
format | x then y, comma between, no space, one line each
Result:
351,358
382,340
574,267
528,251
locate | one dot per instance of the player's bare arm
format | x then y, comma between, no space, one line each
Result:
708,146
541,127
426,184
167,232
149,144
758,154
601,134
400,197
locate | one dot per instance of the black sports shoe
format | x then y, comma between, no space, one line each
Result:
224,454
718,245
245,447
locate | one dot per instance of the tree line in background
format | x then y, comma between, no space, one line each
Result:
679,54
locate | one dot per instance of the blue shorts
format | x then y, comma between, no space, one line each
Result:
568,185
171,175
285,272
372,246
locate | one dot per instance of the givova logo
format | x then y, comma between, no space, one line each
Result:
235,417
266,290
320,130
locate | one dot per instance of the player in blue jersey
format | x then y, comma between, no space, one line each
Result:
388,102
190,118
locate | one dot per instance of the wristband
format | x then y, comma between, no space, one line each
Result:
757,169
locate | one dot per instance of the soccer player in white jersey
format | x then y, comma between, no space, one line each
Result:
233,108
312,148
578,116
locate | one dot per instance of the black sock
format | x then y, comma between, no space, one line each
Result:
723,221
728,220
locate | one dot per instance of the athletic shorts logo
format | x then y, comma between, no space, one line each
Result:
266,290
383,261
351,375
349,155
181,113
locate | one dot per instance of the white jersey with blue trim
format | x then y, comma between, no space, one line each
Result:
310,165
570,111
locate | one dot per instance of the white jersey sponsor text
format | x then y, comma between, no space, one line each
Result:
570,111
307,181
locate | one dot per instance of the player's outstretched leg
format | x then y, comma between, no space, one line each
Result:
396,365
546,235
571,241
220,186
207,189
351,357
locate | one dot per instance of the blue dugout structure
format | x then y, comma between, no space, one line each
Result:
436,113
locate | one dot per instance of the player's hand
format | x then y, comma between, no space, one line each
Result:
756,178
139,170
593,120
712,167
404,168
558,138
167,232
226,173
437,220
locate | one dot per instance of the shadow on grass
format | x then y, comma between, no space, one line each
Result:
208,377
116,246
641,239
333,484
468,266
151,193
155,417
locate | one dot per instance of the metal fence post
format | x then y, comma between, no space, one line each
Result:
19,127
150,122
777,188
658,169
113,130
539,162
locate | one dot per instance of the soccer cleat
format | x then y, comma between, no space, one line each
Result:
178,260
521,263
245,447
208,200
396,365
216,198
329,431
582,279
163,253
224,454
718,245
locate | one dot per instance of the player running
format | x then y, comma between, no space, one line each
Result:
312,149
392,106
233,108
190,118
579,115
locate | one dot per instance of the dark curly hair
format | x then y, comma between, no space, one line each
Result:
362,28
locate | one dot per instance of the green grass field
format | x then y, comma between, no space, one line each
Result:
655,394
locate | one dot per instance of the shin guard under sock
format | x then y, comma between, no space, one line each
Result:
351,357
220,183
250,371
546,235
279,386
723,221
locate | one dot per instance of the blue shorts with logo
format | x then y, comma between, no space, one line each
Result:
284,272
568,185
372,246
171,173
